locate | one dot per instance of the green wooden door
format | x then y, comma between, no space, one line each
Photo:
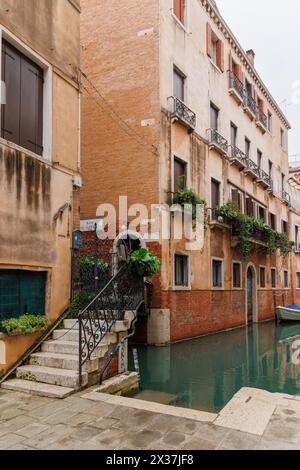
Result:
22,292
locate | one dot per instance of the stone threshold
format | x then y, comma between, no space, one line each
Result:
249,411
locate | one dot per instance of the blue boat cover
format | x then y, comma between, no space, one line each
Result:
294,307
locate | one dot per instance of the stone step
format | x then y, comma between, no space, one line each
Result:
73,335
71,347
37,388
62,361
119,326
51,375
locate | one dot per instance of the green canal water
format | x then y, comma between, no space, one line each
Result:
206,372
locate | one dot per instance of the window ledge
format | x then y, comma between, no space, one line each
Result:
218,289
178,22
181,288
215,66
17,147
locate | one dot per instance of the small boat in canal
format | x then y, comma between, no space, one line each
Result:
289,313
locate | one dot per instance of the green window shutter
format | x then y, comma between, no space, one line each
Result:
9,294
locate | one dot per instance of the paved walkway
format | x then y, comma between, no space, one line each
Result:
28,422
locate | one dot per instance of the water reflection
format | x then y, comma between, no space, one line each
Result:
205,373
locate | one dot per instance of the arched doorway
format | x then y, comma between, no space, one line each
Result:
251,295
125,243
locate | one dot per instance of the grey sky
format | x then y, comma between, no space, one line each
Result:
271,28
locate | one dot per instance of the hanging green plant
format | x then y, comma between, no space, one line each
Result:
284,244
187,196
142,263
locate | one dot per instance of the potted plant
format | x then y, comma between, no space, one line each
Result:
187,196
142,263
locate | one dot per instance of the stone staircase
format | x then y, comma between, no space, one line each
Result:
54,370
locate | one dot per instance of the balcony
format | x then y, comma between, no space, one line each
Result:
236,88
286,198
238,158
258,237
250,106
219,221
297,247
265,180
262,121
181,113
217,142
252,169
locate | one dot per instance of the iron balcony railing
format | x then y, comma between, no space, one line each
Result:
184,114
236,84
265,179
250,103
286,197
252,168
217,141
238,157
262,118
257,235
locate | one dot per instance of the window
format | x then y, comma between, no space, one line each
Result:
236,275
273,278
282,181
247,147
298,280
296,237
250,206
270,169
286,279
179,84
233,134
284,227
21,292
261,212
22,115
215,193
282,138
262,277
270,123
215,48
181,270
180,174
236,197
217,274
272,220
214,117
259,159
179,8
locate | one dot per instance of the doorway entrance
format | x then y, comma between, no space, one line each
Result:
251,295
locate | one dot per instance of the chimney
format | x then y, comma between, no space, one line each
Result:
251,56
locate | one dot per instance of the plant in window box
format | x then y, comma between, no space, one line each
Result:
187,196
92,270
142,263
24,324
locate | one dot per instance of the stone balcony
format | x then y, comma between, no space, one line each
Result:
252,169
238,158
182,114
250,106
217,142
236,88
265,180
286,197
262,121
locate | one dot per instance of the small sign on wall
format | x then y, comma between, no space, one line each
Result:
89,225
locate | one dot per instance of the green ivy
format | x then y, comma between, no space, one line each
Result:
24,324
187,196
142,263
245,227
80,301
90,261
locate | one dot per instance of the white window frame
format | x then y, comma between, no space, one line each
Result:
222,274
261,266
241,275
184,160
185,25
182,288
47,94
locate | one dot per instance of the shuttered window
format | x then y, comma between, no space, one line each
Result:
236,197
21,292
214,48
217,274
273,278
215,193
236,275
179,81
262,277
250,206
180,174
179,10
22,114
181,270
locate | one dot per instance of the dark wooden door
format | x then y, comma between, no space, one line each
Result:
250,295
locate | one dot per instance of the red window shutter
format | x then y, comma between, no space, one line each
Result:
236,198
182,2
255,96
230,62
31,113
177,5
208,39
220,55
239,72
11,75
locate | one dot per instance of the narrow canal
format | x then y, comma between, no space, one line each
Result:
206,372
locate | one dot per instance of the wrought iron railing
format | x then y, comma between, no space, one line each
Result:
236,84
286,197
256,235
266,178
216,140
124,292
262,118
237,154
250,103
253,168
183,113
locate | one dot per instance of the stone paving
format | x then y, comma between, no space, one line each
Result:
75,423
